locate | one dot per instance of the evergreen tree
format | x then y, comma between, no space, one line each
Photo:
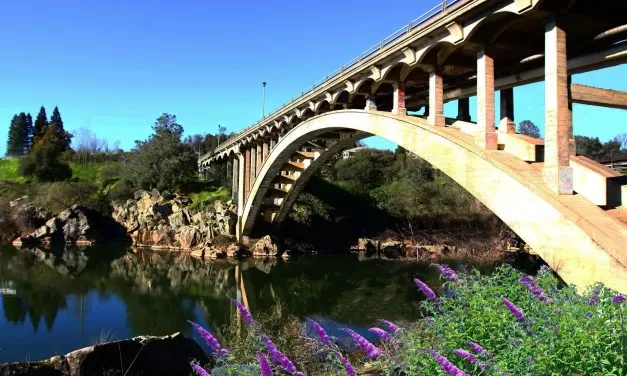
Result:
41,124
28,134
56,123
13,142
43,162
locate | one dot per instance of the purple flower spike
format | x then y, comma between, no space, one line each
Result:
478,349
513,309
425,289
471,358
209,339
385,336
368,348
535,289
199,370
264,365
324,337
277,356
348,367
393,328
619,299
448,273
446,365
248,318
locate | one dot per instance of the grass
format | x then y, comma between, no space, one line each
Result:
90,171
9,170
205,197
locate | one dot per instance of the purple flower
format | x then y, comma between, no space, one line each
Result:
535,289
264,365
393,328
513,309
277,356
471,358
448,273
248,318
425,289
619,299
446,365
348,367
324,337
209,339
478,349
199,370
594,298
368,348
385,336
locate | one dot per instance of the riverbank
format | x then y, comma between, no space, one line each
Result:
173,222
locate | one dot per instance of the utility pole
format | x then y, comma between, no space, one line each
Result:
263,100
219,128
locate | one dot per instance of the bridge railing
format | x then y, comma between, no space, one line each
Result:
394,37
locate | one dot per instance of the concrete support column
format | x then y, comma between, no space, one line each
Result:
259,158
463,109
371,103
253,165
507,124
266,149
558,127
399,98
246,175
485,101
436,99
241,173
235,182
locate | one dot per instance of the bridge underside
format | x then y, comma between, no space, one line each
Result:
563,205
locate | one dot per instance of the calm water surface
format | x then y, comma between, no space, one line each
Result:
54,302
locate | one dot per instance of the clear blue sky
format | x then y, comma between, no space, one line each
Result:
114,66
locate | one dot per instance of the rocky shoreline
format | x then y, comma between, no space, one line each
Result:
162,221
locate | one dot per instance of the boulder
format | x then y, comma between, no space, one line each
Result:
265,247
187,237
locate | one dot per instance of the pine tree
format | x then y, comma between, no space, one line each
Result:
41,124
56,123
13,142
28,134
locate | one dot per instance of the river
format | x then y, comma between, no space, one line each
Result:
54,302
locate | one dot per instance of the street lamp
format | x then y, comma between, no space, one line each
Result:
263,100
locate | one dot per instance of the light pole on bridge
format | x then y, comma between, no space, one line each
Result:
263,100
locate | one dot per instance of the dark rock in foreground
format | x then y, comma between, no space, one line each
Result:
168,355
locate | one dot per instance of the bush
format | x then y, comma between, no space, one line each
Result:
504,324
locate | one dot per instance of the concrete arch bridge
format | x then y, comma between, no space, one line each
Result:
569,209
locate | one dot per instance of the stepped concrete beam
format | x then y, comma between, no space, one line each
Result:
486,137
558,128
436,99
598,97
507,124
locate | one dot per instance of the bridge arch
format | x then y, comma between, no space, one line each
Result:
575,237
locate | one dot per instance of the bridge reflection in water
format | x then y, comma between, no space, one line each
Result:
65,299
